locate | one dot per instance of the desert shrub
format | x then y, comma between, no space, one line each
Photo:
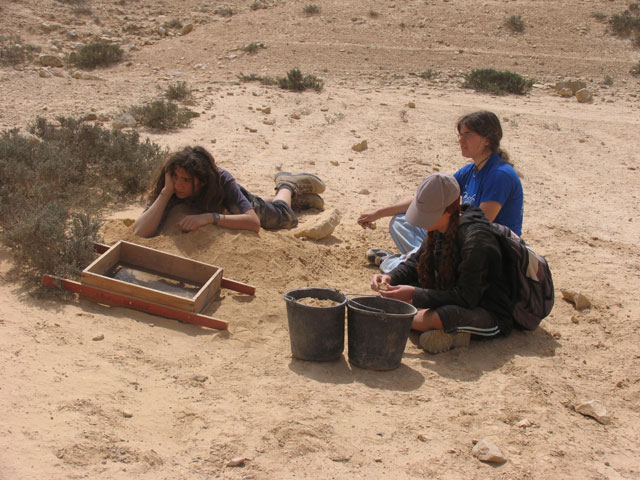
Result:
635,71
498,82
626,24
55,183
298,82
428,74
257,78
253,47
608,80
311,9
162,115
173,23
98,54
178,91
224,11
373,14
14,52
258,5
515,23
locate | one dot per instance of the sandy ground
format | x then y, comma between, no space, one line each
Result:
158,399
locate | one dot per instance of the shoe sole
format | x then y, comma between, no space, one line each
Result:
306,201
437,341
306,182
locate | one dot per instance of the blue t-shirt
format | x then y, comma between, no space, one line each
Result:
498,182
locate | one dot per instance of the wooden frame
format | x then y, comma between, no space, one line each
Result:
208,278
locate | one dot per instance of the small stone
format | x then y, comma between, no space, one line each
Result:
335,163
524,423
127,414
47,60
360,147
90,117
594,409
411,105
98,337
486,451
574,319
285,147
422,438
188,28
44,73
269,121
579,300
584,96
266,110
364,191
200,378
565,92
236,462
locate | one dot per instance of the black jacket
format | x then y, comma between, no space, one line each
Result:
480,277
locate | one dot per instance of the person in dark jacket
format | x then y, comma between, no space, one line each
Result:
456,279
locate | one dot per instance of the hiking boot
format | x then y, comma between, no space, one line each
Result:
375,256
305,201
438,341
301,182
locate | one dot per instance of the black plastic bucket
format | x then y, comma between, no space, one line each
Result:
378,329
316,332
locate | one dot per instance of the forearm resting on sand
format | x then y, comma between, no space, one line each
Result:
147,223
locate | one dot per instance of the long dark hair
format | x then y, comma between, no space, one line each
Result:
486,124
439,260
198,163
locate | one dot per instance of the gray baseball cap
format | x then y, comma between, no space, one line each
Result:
434,195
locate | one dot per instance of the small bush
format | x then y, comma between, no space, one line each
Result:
428,74
498,82
98,54
258,5
224,11
178,91
298,82
311,9
515,23
626,24
54,186
173,23
257,78
373,14
253,47
608,80
14,52
162,115
635,71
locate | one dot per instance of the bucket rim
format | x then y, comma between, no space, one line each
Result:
353,304
341,303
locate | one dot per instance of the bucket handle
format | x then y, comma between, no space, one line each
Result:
366,307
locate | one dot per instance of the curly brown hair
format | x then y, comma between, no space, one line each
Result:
200,164
438,262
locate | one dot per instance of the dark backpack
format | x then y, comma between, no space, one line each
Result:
530,277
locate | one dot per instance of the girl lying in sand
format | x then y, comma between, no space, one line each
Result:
191,176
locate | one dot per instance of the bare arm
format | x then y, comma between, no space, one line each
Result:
147,223
243,221
367,218
491,209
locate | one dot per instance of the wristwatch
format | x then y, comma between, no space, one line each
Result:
216,218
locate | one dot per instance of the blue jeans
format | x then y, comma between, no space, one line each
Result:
406,237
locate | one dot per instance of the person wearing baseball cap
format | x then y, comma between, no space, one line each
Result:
456,279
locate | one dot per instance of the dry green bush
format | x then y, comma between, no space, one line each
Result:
627,24
178,91
311,9
98,54
297,82
515,23
14,52
55,184
498,82
162,115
